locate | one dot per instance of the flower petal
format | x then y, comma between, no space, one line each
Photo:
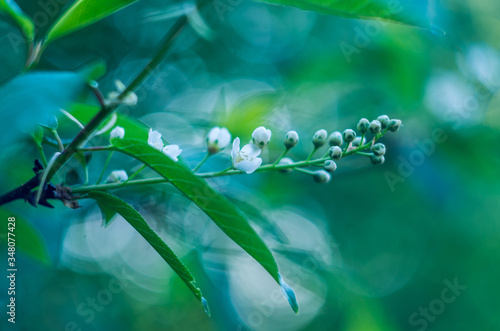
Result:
235,152
172,151
248,166
224,138
154,140
250,151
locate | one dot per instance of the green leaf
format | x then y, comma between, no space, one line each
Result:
83,13
84,113
30,98
403,11
135,219
222,212
11,8
28,239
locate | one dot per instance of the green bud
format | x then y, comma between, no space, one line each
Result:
375,127
330,166
363,125
319,138
335,152
321,176
335,139
349,135
285,161
356,142
291,139
394,125
377,159
378,149
384,121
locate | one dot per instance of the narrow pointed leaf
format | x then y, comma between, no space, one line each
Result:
404,11
217,207
11,8
83,13
222,212
135,219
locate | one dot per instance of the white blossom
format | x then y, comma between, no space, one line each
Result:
118,132
247,158
218,139
261,136
155,141
129,100
117,176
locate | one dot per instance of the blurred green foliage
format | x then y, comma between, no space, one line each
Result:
363,252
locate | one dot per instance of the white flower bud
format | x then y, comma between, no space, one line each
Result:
378,149
285,161
117,133
330,166
335,152
377,159
261,136
321,176
335,139
356,142
218,139
349,135
291,139
319,138
375,127
384,121
363,125
117,176
394,125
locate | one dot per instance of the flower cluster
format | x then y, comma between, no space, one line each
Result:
246,159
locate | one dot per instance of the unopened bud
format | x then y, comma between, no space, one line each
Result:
384,121
349,135
285,161
394,125
330,166
378,149
291,139
319,138
377,159
375,127
335,139
321,176
335,152
363,125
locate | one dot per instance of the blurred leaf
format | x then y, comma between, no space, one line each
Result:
83,13
11,8
29,98
112,203
251,112
396,11
133,128
38,136
28,239
222,212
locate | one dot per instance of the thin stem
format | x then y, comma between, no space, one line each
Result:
110,154
60,144
205,158
364,154
42,155
281,156
135,174
106,110
96,149
311,154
